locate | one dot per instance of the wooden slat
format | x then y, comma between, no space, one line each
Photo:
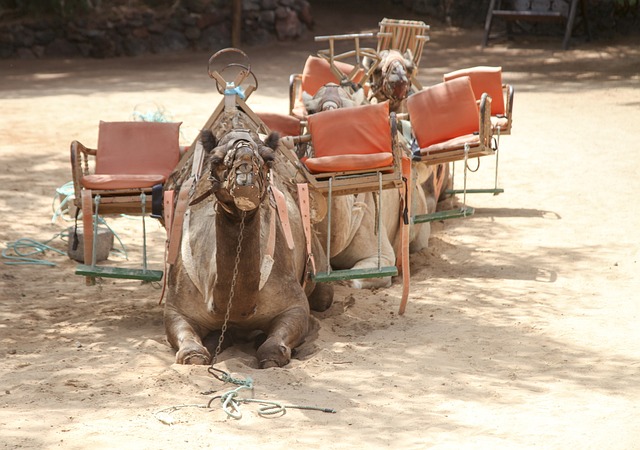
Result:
456,155
494,191
444,215
119,272
355,274
529,15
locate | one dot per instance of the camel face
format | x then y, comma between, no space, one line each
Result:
391,80
332,96
239,167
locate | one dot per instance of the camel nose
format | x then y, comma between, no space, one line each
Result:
244,175
329,105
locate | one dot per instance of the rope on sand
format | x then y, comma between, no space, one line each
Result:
230,402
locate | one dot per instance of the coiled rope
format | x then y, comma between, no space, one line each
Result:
230,401
22,251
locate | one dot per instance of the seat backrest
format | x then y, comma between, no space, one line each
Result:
484,79
317,72
138,148
359,130
444,111
284,124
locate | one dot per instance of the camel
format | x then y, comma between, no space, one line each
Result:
354,242
240,270
391,81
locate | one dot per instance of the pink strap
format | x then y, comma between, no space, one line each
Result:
175,235
281,203
305,211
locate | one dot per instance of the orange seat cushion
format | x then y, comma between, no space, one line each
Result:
121,181
137,148
484,79
358,132
443,111
457,143
317,72
284,124
345,163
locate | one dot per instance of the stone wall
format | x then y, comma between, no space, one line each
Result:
195,24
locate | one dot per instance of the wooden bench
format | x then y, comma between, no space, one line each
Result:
563,11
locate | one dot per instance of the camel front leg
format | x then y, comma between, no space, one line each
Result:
185,339
287,331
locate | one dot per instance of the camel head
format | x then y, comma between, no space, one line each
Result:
239,166
391,79
332,96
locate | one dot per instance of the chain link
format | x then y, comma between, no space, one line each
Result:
234,280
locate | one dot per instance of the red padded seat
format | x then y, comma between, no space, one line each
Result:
351,139
133,155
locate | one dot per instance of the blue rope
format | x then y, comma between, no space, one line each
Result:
25,248
237,90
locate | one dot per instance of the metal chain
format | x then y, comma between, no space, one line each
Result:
234,280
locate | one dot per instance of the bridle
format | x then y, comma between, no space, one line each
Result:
382,85
245,177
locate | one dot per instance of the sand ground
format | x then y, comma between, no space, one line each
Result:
522,325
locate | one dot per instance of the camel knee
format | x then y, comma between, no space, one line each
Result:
321,298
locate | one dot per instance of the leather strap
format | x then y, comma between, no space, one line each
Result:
198,157
87,224
175,235
267,258
167,209
305,211
281,204
156,201
405,230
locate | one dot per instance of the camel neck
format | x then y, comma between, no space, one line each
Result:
229,231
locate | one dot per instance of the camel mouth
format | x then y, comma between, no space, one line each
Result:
246,198
397,89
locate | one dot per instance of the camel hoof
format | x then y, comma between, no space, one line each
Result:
268,364
196,360
273,354
193,357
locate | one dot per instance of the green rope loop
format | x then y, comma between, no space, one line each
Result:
23,249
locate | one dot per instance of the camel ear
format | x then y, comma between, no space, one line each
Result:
208,140
272,140
359,97
367,63
310,104
267,151
408,62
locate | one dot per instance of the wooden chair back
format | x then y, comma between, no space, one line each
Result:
403,35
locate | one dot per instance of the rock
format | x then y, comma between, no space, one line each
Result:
61,48
104,244
175,41
288,27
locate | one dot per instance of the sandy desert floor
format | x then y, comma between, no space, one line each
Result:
522,324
